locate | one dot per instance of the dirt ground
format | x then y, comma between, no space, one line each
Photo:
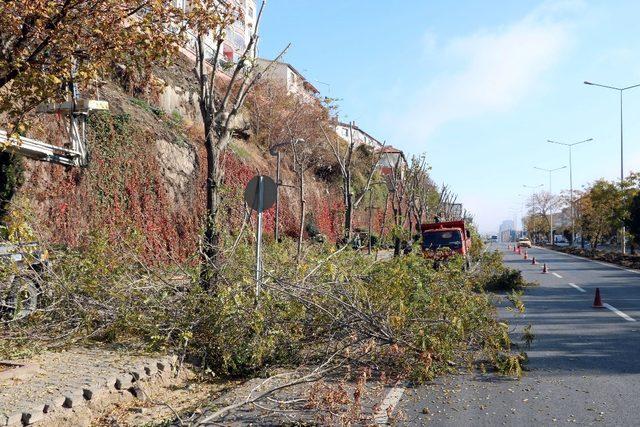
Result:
163,404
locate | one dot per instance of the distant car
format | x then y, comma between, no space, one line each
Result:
524,242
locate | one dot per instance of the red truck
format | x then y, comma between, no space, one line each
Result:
452,235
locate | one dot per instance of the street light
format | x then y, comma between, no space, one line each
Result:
573,223
619,89
274,151
533,208
522,197
551,205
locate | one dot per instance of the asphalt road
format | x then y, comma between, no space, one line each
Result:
584,364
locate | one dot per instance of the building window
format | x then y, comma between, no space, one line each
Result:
250,12
345,131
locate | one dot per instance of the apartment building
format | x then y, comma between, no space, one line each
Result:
236,36
344,131
286,76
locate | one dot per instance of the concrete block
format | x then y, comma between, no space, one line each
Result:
11,419
137,392
138,373
124,381
110,381
33,414
54,403
151,369
73,399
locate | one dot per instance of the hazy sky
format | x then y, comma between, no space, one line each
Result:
477,85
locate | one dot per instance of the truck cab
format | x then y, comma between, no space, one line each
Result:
450,235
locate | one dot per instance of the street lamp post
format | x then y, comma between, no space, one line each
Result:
522,197
274,151
619,89
573,222
533,190
551,205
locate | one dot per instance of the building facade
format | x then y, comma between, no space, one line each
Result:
360,137
287,77
236,38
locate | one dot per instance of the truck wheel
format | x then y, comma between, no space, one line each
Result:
23,298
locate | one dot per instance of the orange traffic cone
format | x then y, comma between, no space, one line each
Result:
597,301
525,255
544,268
533,261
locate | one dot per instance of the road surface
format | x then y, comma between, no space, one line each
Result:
584,364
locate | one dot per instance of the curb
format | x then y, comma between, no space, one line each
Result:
94,392
597,261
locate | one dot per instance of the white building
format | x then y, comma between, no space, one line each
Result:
287,77
237,36
360,137
392,161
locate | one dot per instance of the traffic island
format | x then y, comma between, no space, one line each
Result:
623,260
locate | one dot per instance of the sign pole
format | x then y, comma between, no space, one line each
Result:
260,198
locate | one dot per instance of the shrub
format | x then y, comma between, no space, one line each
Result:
507,280
400,315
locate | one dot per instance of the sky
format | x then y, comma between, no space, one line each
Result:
477,85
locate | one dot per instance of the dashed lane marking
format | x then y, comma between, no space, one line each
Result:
557,275
381,416
573,285
619,313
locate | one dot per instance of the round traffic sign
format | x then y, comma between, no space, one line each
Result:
252,195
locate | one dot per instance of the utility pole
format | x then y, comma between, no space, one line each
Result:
550,204
274,150
572,203
620,90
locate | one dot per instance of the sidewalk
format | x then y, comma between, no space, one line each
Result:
63,388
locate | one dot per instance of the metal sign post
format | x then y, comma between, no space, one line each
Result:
260,197
260,194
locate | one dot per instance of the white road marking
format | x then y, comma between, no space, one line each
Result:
557,275
619,313
381,416
573,285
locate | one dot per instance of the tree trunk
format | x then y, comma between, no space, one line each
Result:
302,214
348,207
348,212
211,241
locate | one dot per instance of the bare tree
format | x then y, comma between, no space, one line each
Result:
397,187
221,95
422,194
345,159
